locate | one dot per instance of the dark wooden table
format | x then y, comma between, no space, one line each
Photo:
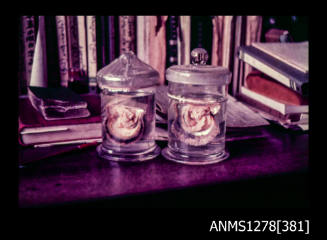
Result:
267,167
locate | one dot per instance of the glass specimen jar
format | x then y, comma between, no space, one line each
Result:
128,110
197,111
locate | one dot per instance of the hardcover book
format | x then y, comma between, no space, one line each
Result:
201,33
22,82
143,37
91,53
73,48
113,40
39,72
222,38
171,38
151,42
52,61
101,42
127,34
62,50
275,101
29,39
82,46
274,95
184,40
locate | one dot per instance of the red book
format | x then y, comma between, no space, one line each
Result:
35,130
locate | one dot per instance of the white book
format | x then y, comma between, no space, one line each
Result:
62,50
91,51
91,140
39,73
296,54
227,34
82,44
184,40
280,107
143,38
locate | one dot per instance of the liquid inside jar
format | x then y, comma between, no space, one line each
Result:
197,124
128,122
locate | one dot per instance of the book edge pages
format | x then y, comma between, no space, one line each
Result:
84,141
66,132
280,107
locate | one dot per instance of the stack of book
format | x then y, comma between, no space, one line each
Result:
278,87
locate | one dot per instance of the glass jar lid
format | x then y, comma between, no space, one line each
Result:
127,72
198,73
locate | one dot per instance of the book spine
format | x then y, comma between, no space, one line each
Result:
62,50
216,54
237,66
22,83
100,36
143,38
127,38
82,47
171,36
112,37
158,50
227,39
222,38
39,73
73,48
253,34
29,39
151,42
51,39
201,33
91,52
184,40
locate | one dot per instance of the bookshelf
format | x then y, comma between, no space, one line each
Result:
76,47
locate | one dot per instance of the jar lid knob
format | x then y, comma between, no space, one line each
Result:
199,56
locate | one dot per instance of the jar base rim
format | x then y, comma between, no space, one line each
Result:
189,160
130,157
